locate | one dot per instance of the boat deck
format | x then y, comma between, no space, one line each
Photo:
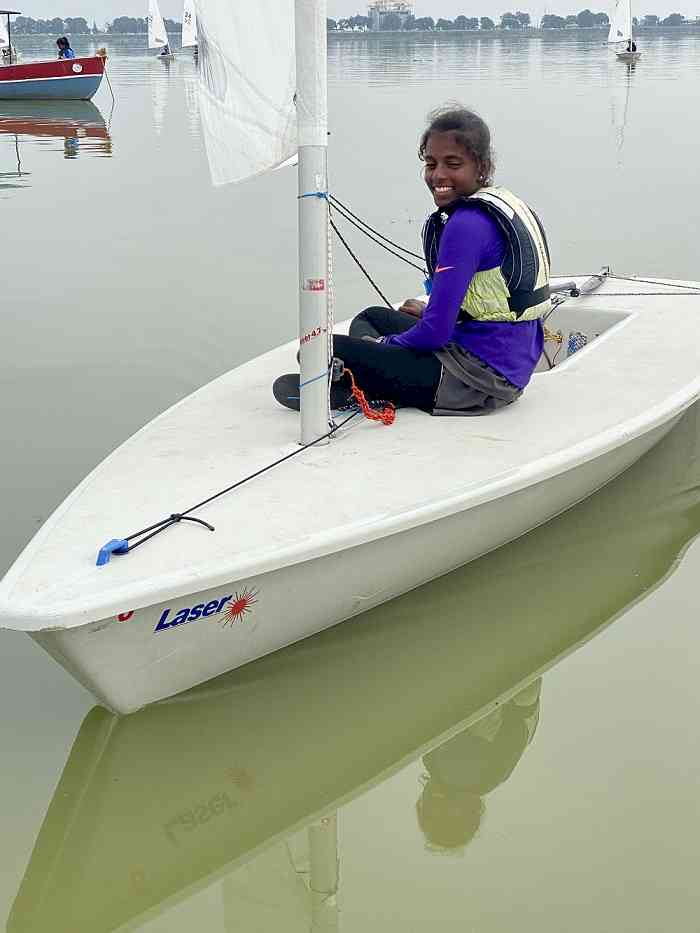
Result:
370,481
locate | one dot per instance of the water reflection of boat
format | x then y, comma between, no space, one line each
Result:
205,788
74,121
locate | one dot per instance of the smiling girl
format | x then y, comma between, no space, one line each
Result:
473,347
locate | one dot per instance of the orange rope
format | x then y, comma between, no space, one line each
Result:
386,415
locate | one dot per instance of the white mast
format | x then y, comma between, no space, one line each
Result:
312,122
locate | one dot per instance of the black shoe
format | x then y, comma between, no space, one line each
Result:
286,391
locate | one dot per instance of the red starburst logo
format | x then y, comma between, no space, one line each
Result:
239,606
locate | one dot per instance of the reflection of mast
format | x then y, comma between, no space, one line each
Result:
620,110
192,102
323,845
159,92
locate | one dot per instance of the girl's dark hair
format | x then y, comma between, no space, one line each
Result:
468,129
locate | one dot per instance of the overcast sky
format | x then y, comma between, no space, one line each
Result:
103,10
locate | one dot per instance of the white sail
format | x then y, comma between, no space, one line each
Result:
621,22
4,38
189,25
157,36
247,86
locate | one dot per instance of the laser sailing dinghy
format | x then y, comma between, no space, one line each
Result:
341,526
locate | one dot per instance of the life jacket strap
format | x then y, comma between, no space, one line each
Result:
520,301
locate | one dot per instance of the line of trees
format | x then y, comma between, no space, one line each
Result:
126,25
517,20
75,25
129,25
79,26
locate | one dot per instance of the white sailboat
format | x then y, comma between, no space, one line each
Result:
620,34
8,52
341,525
189,25
157,34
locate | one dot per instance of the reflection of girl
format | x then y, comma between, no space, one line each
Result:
473,763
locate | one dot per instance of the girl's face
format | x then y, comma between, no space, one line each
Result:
450,171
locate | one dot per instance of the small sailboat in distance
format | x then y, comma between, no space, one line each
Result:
157,35
620,34
7,50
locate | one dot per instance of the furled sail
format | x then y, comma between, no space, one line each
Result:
247,86
621,22
189,24
157,36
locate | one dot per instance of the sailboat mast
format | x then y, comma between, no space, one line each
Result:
312,123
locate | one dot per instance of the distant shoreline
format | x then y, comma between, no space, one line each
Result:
686,29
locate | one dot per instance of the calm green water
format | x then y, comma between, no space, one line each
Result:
447,761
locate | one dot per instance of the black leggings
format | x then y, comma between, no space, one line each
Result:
407,378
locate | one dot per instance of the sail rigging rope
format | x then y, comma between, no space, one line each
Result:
348,216
689,289
124,545
339,208
360,266
337,203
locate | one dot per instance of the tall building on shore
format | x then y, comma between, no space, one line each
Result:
379,10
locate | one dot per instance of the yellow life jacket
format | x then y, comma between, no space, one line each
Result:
518,289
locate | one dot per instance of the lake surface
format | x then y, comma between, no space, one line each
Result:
513,747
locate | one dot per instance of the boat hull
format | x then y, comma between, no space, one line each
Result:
628,56
71,79
158,651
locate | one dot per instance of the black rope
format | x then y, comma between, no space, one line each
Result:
164,523
369,236
689,289
360,266
339,204
630,278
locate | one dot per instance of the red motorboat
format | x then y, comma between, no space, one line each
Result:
58,79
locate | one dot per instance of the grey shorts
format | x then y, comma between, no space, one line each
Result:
469,386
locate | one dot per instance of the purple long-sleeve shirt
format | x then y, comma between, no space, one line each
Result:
472,242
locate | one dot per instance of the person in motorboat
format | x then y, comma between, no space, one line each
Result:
474,345
64,49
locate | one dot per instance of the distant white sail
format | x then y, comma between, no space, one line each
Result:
189,25
4,38
157,36
621,22
247,85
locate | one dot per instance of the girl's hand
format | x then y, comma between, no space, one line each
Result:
413,306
